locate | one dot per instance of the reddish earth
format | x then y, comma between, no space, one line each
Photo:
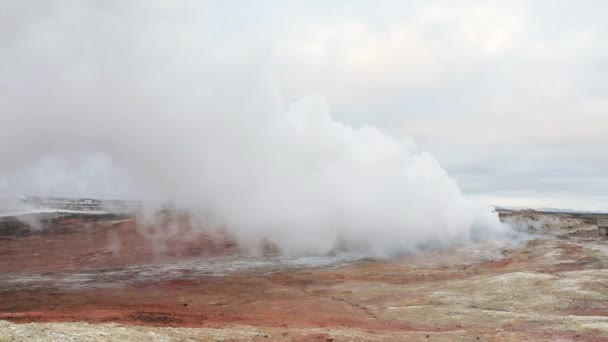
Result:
103,270
75,246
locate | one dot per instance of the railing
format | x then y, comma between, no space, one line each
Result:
602,222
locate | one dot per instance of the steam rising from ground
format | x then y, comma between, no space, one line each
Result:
205,126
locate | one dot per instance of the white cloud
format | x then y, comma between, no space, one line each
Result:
490,87
512,83
213,135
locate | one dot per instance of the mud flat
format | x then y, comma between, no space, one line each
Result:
107,279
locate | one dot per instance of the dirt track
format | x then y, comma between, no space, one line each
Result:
547,288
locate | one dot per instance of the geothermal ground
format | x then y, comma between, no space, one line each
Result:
106,278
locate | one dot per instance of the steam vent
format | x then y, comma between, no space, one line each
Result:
249,170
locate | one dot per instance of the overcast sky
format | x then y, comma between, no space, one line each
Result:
509,96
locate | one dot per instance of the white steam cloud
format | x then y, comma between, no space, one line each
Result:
204,126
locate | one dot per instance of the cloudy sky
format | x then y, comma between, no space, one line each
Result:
509,96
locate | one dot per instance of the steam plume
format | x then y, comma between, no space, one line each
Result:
206,127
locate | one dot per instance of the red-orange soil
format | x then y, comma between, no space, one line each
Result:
443,291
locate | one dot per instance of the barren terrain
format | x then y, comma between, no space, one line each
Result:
106,278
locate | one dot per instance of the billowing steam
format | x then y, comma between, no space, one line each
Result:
206,127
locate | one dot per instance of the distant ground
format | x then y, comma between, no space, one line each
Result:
105,278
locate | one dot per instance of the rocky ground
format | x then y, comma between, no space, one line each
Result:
111,280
